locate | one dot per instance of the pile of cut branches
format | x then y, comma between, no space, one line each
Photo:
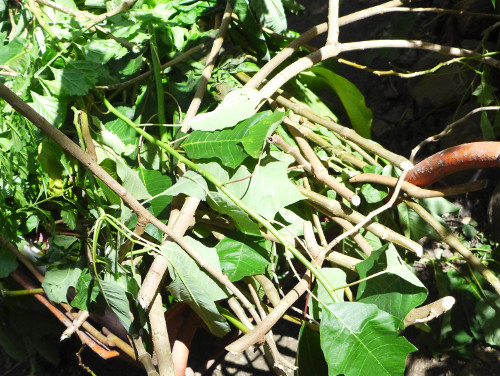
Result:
170,165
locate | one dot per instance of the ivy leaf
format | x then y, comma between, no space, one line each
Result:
242,257
359,339
397,291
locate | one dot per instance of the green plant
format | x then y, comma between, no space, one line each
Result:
118,162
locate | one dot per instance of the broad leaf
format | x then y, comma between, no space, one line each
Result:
191,184
52,109
310,358
270,14
243,257
58,279
336,277
353,100
238,105
359,339
194,286
156,183
397,291
114,291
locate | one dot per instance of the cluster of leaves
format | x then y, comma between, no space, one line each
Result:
60,63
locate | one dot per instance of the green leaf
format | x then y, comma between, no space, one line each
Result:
70,81
52,109
102,50
397,291
270,14
239,104
310,358
361,117
360,339
156,183
119,136
191,184
8,262
372,194
58,279
242,257
225,144
194,286
69,218
336,277
114,290
489,318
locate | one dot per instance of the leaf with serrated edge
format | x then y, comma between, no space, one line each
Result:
359,339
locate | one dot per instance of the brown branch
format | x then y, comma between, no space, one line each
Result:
333,208
429,312
417,192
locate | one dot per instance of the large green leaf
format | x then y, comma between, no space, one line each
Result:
242,257
115,293
310,358
397,291
52,109
227,144
58,279
194,286
239,104
191,184
359,339
353,100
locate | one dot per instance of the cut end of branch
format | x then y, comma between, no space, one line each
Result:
406,165
419,251
356,200
448,302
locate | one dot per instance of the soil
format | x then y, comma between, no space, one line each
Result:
405,111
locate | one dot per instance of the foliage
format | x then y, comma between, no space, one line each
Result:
85,77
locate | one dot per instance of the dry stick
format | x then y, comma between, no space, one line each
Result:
66,144
144,357
449,127
310,34
429,311
207,72
417,192
333,208
330,51
333,22
320,172
345,261
268,287
159,335
455,243
358,238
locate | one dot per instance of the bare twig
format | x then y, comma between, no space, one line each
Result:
333,22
